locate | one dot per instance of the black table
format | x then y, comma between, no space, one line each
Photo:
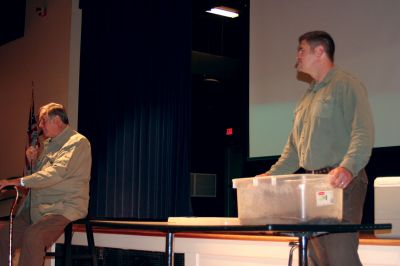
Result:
303,231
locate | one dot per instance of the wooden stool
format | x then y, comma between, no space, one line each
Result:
67,249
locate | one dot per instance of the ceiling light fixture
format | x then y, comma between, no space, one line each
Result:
224,11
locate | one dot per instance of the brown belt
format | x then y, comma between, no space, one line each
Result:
325,170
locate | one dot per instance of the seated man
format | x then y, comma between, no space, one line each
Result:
59,188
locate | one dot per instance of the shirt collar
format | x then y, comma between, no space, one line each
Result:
62,137
328,77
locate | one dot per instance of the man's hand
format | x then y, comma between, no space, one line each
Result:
32,153
341,177
13,182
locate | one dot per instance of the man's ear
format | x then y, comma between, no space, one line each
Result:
319,50
58,121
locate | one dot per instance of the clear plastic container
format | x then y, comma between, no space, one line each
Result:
288,199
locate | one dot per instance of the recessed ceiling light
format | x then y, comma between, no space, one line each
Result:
224,11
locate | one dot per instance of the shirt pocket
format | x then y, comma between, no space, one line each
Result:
323,107
47,161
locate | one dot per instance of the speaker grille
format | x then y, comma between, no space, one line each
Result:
203,185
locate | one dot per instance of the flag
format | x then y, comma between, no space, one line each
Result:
32,133
32,125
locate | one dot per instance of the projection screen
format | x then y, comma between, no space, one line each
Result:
367,37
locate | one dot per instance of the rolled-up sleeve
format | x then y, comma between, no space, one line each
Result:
357,110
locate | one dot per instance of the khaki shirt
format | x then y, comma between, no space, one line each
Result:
332,127
61,183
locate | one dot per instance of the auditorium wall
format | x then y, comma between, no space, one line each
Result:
47,56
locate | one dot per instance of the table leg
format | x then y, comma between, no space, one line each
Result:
169,248
303,259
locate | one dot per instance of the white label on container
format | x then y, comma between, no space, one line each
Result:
324,198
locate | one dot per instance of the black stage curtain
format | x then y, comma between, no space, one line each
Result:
134,106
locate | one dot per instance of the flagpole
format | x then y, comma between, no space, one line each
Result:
32,129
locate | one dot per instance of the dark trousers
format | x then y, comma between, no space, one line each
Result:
342,249
32,239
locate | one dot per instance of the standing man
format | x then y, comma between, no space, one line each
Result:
333,133
59,188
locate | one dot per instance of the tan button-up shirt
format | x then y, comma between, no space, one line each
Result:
332,126
61,183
